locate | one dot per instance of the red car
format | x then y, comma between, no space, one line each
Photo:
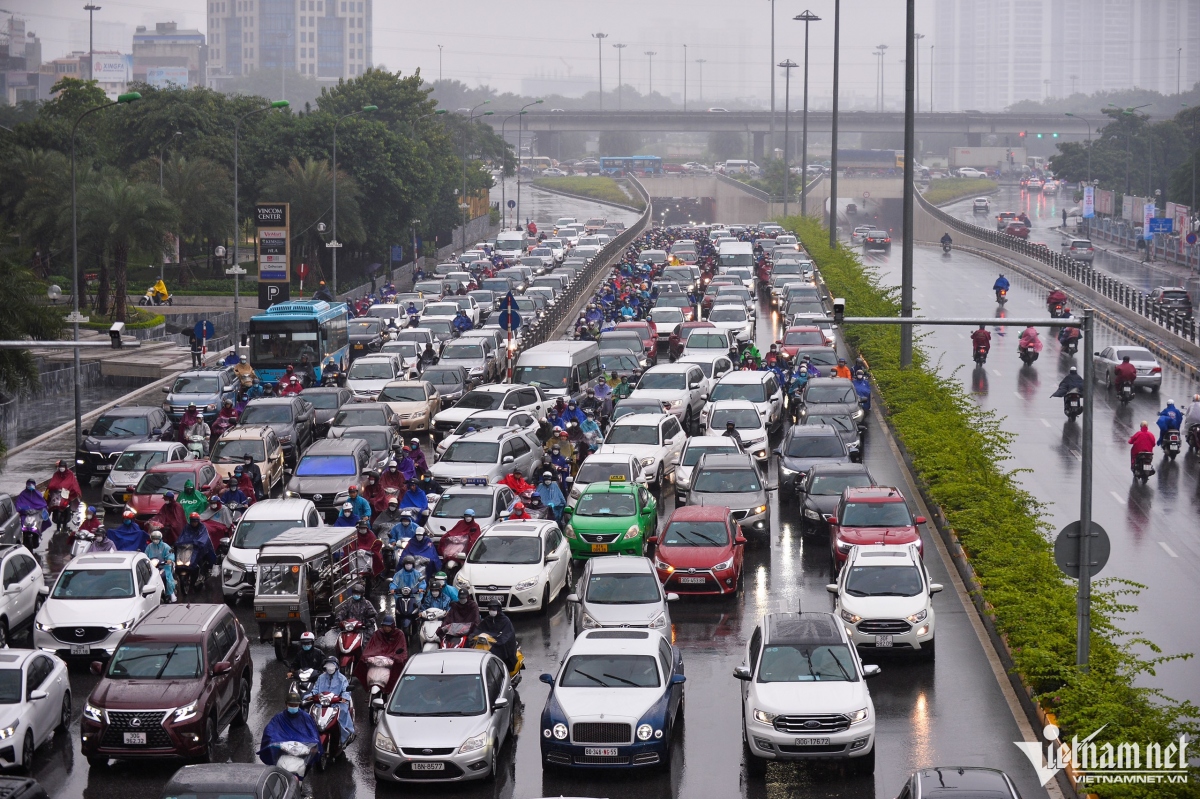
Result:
873,515
1021,231
679,337
649,333
147,496
796,337
699,551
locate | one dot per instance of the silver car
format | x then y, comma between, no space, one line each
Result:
1149,370
447,719
731,480
620,591
470,355
492,453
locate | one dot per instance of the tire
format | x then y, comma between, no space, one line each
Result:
27,753
210,741
283,644
97,761
242,716
493,765
927,649
323,763
658,478
687,422
64,715
865,765
546,598
4,634
755,765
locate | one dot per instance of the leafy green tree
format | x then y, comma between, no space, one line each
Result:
26,316
308,187
35,187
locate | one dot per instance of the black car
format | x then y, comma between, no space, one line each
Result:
802,448
112,433
1173,298
290,417
451,382
958,782
850,430
243,780
877,240
366,335
820,489
326,402
328,468
830,395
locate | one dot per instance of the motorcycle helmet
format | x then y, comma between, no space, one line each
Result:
405,514
347,508
91,511
362,526
191,406
330,665
409,560
155,536
358,588
394,503
440,577
494,608
519,506
387,621
469,513
170,495
129,515
464,590
195,517
547,478
307,637
293,702
352,489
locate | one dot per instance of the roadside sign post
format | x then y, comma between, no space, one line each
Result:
302,271
204,330
510,320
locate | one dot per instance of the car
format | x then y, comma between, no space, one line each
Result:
205,388
758,387
382,440
872,515
486,420
733,294
148,496
370,373
472,356
884,596
877,240
35,694
859,233
1079,250
844,424
366,335
819,490
292,419
981,205
802,447
492,503
490,453
22,581
613,516
450,382
94,601
751,428
495,343
679,387
677,341
800,335
735,318
666,316
623,342
700,551
970,172
1005,218
326,471
823,357
710,340
695,447
495,397
360,414
257,441
116,430
602,467
647,333
959,782
626,716
408,353
655,439
830,395
1149,371
804,695
132,465
10,521
731,480
447,719
631,405
1172,298
414,403
326,402
851,209
622,363
522,564
244,780
713,364
258,525
183,673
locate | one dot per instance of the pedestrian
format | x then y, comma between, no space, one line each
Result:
197,351
1064,215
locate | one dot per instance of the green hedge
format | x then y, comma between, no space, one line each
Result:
946,190
957,448
599,188
136,319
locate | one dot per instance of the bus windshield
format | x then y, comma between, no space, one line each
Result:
281,343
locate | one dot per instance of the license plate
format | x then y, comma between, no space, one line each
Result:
80,649
692,580
599,547
486,598
428,766
127,497
135,738
358,346
883,640
596,751
104,467
812,742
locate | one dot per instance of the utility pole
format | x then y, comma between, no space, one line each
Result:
619,47
772,136
600,37
91,8
917,68
882,52
833,160
650,57
520,138
788,65
685,77
439,63
806,18
931,78
702,62
906,264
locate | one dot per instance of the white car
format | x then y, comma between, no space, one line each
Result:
524,565
35,703
751,427
758,387
885,598
260,523
409,353
495,397
970,172
734,317
132,466
727,295
981,205
599,467
545,254
804,695
490,502
95,599
558,246
655,439
713,363
23,584
692,450
370,373
485,420
440,310
679,387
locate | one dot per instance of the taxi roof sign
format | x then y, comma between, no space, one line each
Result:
473,481
617,478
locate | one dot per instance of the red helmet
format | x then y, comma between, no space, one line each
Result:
520,506
195,516
290,369
129,514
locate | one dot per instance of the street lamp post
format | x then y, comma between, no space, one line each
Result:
75,318
599,37
917,70
520,140
650,57
416,254
788,65
334,244
881,51
910,109
1089,127
685,77
504,183
772,136
619,47
91,8
806,18
701,62
413,125
833,159
236,267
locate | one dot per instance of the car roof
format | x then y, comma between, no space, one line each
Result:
609,457
873,494
190,465
499,388
617,641
621,564
218,777
528,528
727,460
156,446
491,434
641,418
446,661
105,560
699,513
269,401
823,469
668,368
277,509
395,384
886,555
15,658
710,440
844,382
130,410
810,431
609,487
239,431
810,627
745,377
177,620
955,780
334,446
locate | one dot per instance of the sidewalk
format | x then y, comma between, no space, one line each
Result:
1131,266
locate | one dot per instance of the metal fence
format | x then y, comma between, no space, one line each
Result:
1116,290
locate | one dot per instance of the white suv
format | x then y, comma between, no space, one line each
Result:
494,397
22,585
680,387
758,387
804,695
885,598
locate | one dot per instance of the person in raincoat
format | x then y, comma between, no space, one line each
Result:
362,508
590,427
64,478
421,546
374,494
189,419
31,501
862,387
383,522
414,498
435,597
101,542
170,518
217,513
405,464
161,551
346,517
1169,418
418,456
288,725
404,529
552,495
408,576
160,291
91,522
365,541
192,500
128,536
388,641
233,495
391,478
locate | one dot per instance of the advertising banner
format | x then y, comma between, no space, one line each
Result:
274,242
110,68
167,77
1089,202
1106,202
1148,211
1180,216
1127,207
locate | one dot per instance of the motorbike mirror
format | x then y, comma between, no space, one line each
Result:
96,667
87,431
572,597
547,678
500,703
222,667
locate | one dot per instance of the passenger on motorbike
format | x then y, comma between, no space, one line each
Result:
333,681
1125,372
1141,441
308,656
359,608
216,513
981,340
362,508
405,465
465,526
196,534
462,611
1169,418
192,500
250,468
128,536
62,478
365,541
421,546
807,367
187,422
590,427
497,624
751,353
387,642
101,543
552,495
159,550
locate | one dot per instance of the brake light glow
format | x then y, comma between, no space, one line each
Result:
1157,370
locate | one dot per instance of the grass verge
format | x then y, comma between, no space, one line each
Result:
945,190
136,319
597,188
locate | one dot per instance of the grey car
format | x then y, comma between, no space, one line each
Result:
802,447
819,490
290,417
451,382
620,591
326,472
493,453
1149,371
205,388
326,402
850,431
470,355
731,480
362,414
830,395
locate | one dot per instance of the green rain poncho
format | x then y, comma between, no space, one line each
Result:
192,500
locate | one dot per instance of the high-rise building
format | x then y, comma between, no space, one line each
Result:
168,55
325,39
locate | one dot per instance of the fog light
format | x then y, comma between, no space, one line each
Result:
859,743
924,630
763,743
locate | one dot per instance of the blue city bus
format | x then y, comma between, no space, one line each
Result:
287,331
631,165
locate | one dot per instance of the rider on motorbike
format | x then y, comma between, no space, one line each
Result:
196,534
31,501
128,536
462,611
192,500
407,576
552,495
842,370
404,529
365,541
465,526
383,522
161,551
1193,414
497,624
91,521
101,543
435,597
358,607
387,642
981,339
862,388
1169,418
1125,372
290,725
232,495
1070,383
946,240
308,656
1001,284
359,504
1141,441
245,372
1030,340
333,681
1056,297
516,481
518,512
421,546
414,498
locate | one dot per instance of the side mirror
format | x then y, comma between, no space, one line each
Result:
831,588
572,597
742,673
166,389
96,667
87,431
919,520
223,667
651,539
44,590
552,557
507,459
148,590
704,397
37,694
547,678
672,597
676,679
832,520
739,539
500,703
871,670
12,588
936,588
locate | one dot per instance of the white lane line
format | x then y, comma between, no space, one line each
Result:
1045,422
996,372
1117,497
1167,549
1018,395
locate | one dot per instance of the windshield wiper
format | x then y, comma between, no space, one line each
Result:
856,592
712,541
622,679
167,661
842,668
592,677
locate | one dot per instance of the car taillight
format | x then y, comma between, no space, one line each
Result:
1157,370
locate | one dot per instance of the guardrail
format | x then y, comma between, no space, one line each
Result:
1118,291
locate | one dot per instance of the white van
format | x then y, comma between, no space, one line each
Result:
560,368
740,166
511,243
735,253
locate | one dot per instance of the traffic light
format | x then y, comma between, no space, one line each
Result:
1039,135
1055,135
1021,134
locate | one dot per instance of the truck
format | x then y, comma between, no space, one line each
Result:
1003,158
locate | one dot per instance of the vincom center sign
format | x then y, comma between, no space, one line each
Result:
274,252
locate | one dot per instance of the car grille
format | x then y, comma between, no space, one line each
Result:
81,635
601,732
147,721
812,725
414,752
884,626
596,760
820,749
445,427
599,539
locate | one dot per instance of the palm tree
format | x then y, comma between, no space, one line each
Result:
308,187
35,185
200,188
123,217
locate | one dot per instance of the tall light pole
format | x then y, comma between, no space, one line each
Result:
650,57
504,183
619,47
931,78
416,254
334,244
466,136
520,139
1089,127
75,318
600,37
235,269
788,65
772,136
701,62
833,161
806,18
413,126
160,156
882,50
917,70
910,109
91,8
439,63
685,77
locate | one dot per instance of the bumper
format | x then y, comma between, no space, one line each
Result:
100,649
236,583
512,600
90,463
649,753
700,583
420,424
113,497
770,744
919,634
184,740
755,523
454,767
582,550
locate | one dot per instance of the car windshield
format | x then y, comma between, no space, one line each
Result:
235,450
663,381
480,423
544,376
154,660
358,417
595,472
327,466
442,377
438,695
669,302
326,401
266,414
405,349
463,451
464,352
617,362
751,392
726,481
363,327
606,504
610,671
825,446
196,385
838,421
884,581
831,485
507,550
821,357
121,426
806,307
10,687
622,589
138,461
439,327
692,453
402,394
253,533
800,337
480,401
742,418
828,393
162,482
377,440
363,369
452,505
707,341
696,534
94,584
875,514
807,663
633,434
627,343
667,316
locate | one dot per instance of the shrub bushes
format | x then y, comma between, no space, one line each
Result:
944,190
598,188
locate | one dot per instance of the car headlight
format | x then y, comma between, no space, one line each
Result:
674,404
560,731
125,625
763,717
758,510
285,439
384,742
8,732
93,713
666,567
850,617
723,565
644,732
658,622
860,413
569,532
633,532
80,462
843,547
166,406
646,461
918,616
291,494
211,407
41,628
786,471
589,623
575,493
809,513
474,743
858,716
525,585
186,712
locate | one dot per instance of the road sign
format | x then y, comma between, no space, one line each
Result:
509,303
333,244
1191,238
302,271
510,320
512,203
866,195
1066,550
1161,225
204,329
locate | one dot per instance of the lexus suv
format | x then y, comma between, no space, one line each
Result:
179,677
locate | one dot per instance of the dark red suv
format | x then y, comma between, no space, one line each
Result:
179,677
871,515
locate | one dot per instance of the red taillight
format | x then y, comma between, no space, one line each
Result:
1156,370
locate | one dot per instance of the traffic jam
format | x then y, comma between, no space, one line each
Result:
330,545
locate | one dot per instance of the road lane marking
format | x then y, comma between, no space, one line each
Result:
1167,549
996,372
1018,395
1045,422
1117,497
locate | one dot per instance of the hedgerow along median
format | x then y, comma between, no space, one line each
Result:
958,450
596,188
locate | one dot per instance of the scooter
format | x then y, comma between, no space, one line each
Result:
1028,355
324,711
151,298
61,508
31,529
379,671
161,567
1143,468
453,553
485,642
1172,443
187,574
455,636
407,611
1125,393
1193,437
980,356
1058,310
1071,346
1001,296
303,682
83,542
431,620
349,645
945,248
1073,403
293,757
198,446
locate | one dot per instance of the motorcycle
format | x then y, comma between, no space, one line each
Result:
303,682
1071,346
1172,443
151,298
980,356
455,636
188,573
161,567
407,610
31,529
1073,403
431,620
485,642
83,542
1193,437
379,671
61,508
1125,392
349,646
1001,296
1028,355
1143,468
453,551
945,248
198,446
293,757
1058,310
324,711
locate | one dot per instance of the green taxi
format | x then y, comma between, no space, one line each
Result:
611,517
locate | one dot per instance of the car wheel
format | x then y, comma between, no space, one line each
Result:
64,715
927,649
492,764
242,716
755,765
687,422
546,597
210,741
27,750
865,765
3,633
658,478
